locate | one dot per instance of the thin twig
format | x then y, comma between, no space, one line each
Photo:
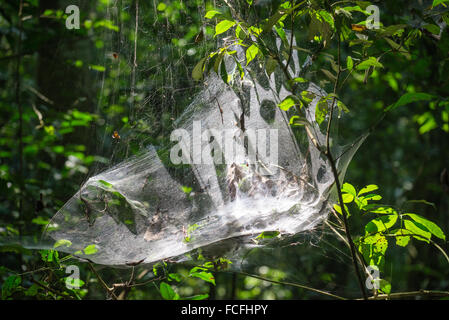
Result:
411,294
293,285
105,286
331,160
47,288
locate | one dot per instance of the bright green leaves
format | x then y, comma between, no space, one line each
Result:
211,13
90,249
167,292
374,244
426,227
409,98
349,63
381,224
270,66
289,102
321,110
368,63
402,237
326,16
362,197
367,189
251,53
349,188
62,242
49,256
10,285
322,107
373,248
223,26
267,235
197,73
437,2
203,275
420,233
186,190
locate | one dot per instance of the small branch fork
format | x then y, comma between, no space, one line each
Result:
126,286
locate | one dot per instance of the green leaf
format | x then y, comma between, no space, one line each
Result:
198,297
321,110
49,255
370,62
197,73
347,198
90,249
186,190
281,33
349,63
241,71
382,210
422,234
385,286
300,80
349,188
288,102
381,224
367,189
10,284
211,13
393,30
106,184
270,66
167,292
327,17
371,196
223,73
437,2
431,227
97,68
40,221
175,276
62,242
337,208
402,239
206,276
223,26
409,98
251,53
268,235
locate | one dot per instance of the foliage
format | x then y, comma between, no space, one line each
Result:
58,99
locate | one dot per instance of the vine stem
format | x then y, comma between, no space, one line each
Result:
332,163
398,295
20,108
293,285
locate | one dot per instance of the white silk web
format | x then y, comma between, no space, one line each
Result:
148,208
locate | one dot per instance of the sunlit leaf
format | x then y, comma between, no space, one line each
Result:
367,189
409,98
421,234
430,226
251,53
223,26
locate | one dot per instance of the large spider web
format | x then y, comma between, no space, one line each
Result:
147,209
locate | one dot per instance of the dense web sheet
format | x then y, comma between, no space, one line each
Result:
148,209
